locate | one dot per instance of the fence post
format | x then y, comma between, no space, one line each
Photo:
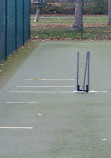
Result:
82,9
5,29
15,25
29,17
23,22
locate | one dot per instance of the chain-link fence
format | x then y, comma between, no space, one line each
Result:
58,17
14,25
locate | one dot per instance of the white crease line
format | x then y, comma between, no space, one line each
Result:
45,86
43,92
52,79
57,92
92,91
16,127
21,102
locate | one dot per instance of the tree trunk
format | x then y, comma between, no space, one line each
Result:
78,16
37,14
109,12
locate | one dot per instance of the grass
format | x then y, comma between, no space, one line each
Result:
95,27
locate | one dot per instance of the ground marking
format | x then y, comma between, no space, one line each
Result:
45,86
51,79
39,114
16,127
22,102
92,91
42,92
57,92
19,102
104,139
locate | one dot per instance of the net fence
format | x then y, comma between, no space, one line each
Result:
57,19
14,26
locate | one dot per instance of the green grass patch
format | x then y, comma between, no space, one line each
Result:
97,33
95,27
56,33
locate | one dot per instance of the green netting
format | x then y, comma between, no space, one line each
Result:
20,40
14,25
10,26
26,20
2,30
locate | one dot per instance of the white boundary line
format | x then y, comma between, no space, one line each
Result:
45,86
56,92
42,92
16,127
19,102
93,91
31,79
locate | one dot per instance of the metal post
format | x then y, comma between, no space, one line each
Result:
88,69
15,25
87,86
77,71
29,17
5,29
82,9
23,21
85,71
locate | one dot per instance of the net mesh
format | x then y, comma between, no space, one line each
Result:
14,25
2,30
57,19
10,26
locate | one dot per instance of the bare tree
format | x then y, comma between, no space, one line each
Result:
78,16
109,12
37,14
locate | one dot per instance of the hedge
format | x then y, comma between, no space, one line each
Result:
69,9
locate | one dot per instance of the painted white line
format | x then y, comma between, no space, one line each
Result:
43,92
16,127
45,86
56,92
39,114
104,139
93,91
21,102
51,79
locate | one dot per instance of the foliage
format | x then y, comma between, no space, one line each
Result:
90,7
55,8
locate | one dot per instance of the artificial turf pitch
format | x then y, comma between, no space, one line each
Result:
41,116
